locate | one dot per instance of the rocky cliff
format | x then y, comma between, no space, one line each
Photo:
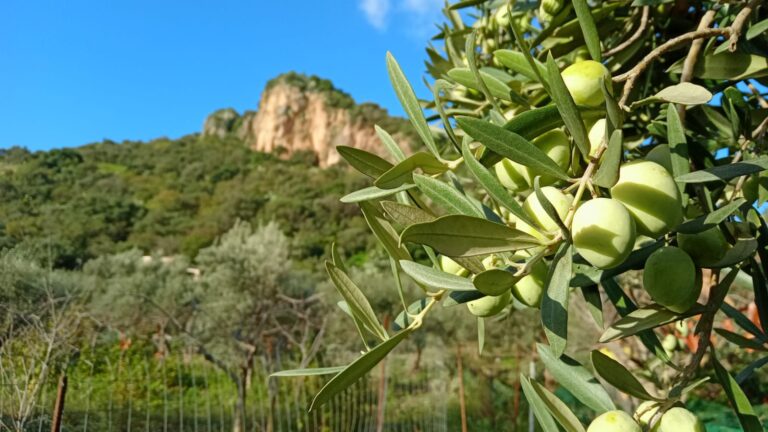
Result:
306,113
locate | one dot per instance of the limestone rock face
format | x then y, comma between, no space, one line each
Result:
299,113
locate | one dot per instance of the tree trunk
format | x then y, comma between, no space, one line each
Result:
462,404
238,423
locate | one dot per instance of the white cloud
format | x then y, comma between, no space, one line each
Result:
416,17
376,12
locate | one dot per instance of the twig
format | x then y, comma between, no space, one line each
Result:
631,76
738,23
704,330
693,56
635,36
760,99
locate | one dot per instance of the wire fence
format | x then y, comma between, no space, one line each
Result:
187,394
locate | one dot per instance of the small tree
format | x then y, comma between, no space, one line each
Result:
577,143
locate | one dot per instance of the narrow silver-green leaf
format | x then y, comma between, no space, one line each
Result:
493,187
618,376
356,301
576,379
496,87
390,143
511,145
517,62
549,209
462,236
725,172
554,303
384,232
558,409
495,282
709,220
749,420
402,173
357,369
410,103
540,410
308,372
372,193
588,28
678,147
446,197
648,317
367,163
567,107
404,214
436,278
608,173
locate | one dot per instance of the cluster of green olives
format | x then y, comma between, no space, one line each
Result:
675,419
644,204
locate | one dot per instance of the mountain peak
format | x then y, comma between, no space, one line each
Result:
300,112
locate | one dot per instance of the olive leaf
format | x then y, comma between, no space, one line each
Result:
447,197
363,161
373,193
516,61
646,318
496,87
389,144
402,173
357,369
558,409
404,214
510,145
576,379
410,104
495,282
463,236
618,376
608,173
587,23
567,107
710,220
384,232
683,93
356,301
739,402
725,172
554,303
540,409
436,278
308,372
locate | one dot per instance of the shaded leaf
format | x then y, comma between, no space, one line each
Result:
461,236
608,173
554,303
372,193
618,376
648,317
739,401
558,409
384,232
588,28
566,106
725,172
494,282
357,369
356,301
540,409
404,214
402,173
576,379
367,163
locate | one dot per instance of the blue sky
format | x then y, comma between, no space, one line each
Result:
74,72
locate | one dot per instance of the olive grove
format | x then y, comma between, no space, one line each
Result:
569,147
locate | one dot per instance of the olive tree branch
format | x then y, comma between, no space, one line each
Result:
738,23
635,36
693,55
633,74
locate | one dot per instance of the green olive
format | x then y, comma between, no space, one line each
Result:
596,135
529,289
560,201
517,177
669,343
614,421
489,305
645,412
584,82
650,194
450,266
678,419
603,232
705,248
509,174
669,277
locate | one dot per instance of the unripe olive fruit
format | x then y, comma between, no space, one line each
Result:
450,266
529,289
584,82
705,248
669,277
603,232
650,194
509,174
669,343
596,135
560,201
645,412
489,305
678,419
502,17
614,421
660,154
556,145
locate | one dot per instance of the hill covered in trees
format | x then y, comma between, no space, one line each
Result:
68,206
